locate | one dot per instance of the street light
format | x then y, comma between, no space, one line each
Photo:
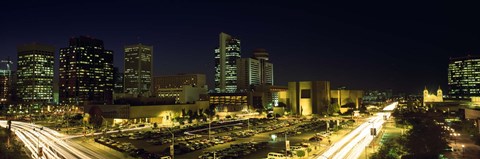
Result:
209,130
273,137
38,141
463,151
172,148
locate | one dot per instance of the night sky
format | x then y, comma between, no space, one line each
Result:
361,45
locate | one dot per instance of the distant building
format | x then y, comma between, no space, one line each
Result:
178,81
254,71
268,96
226,56
118,81
5,81
86,72
427,97
464,77
232,102
184,88
138,70
377,97
35,74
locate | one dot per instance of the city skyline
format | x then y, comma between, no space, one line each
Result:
396,50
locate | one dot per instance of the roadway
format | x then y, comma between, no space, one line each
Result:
48,141
352,145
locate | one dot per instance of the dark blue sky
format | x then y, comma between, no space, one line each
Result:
361,45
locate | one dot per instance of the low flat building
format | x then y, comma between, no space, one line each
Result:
160,114
185,88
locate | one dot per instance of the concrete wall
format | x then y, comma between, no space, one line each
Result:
342,96
151,111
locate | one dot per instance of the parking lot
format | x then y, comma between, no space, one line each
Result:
237,139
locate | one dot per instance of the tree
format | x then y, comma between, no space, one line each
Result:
392,148
300,153
11,147
333,108
210,111
426,138
184,113
190,116
195,115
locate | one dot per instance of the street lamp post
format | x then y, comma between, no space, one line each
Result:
248,122
172,148
287,146
38,140
209,130
463,151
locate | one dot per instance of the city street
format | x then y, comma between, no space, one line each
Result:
49,143
352,145
464,148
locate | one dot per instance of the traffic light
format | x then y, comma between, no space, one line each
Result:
9,122
373,131
40,152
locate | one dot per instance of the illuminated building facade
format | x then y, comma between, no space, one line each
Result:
35,74
226,56
427,97
138,70
231,102
464,77
5,82
254,71
86,72
308,97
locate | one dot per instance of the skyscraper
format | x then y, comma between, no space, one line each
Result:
35,74
118,81
138,70
254,71
226,56
266,68
86,72
464,77
5,81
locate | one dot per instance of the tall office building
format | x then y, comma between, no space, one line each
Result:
5,81
35,74
118,81
86,72
226,56
138,70
464,77
254,71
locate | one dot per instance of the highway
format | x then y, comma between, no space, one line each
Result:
353,144
49,141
